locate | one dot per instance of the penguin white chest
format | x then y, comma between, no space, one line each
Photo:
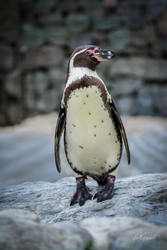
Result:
92,143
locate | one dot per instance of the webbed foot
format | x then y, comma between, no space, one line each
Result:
82,193
107,191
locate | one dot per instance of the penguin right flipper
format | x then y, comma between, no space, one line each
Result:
121,128
58,133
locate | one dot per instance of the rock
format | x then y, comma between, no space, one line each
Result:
110,3
50,19
152,100
12,84
31,37
119,39
42,6
159,48
29,92
77,22
125,233
41,82
89,5
22,230
154,9
45,57
147,68
106,22
7,57
9,21
131,14
3,121
79,39
144,37
149,34
57,77
14,113
126,105
126,86
162,24
49,101
42,93
161,100
144,196
56,35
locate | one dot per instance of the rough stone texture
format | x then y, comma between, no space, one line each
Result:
125,233
47,56
119,39
144,197
77,22
9,21
12,84
150,69
7,59
107,22
107,225
22,230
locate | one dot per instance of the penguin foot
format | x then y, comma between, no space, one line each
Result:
107,191
82,193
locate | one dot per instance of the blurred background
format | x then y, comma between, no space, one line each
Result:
37,38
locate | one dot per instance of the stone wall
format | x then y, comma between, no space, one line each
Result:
38,36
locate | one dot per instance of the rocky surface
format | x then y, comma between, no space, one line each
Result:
144,197
21,230
39,36
95,226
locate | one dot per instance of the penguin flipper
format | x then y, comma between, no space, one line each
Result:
58,133
121,128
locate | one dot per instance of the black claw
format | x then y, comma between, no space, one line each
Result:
81,195
107,191
95,196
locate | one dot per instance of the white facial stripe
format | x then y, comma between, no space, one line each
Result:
72,59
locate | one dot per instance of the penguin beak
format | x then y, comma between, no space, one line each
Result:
106,54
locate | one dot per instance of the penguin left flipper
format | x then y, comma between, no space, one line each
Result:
58,133
117,117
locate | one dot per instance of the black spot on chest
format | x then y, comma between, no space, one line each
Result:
83,80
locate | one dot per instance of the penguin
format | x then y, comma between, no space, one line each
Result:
93,129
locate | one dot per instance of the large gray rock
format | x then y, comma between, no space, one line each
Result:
119,39
106,22
22,230
12,84
147,68
125,233
43,6
152,99
144,196
77,22
45,57
7,57
10,21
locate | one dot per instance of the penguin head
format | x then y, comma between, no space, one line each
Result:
90,56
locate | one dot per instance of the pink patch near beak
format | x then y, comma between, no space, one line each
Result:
88,52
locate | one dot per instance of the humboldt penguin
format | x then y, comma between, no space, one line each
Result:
93,129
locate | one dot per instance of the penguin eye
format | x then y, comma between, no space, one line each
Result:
87,52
